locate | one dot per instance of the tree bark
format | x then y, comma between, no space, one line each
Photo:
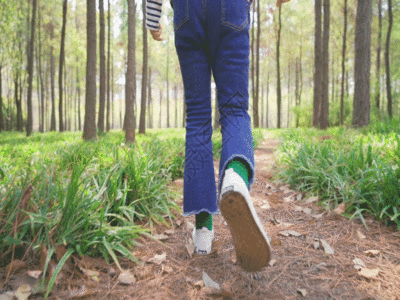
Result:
160,107
52,80
89,127
387,63
142,125
324,112
253,88
29,122
100,121
18,103
343,63
267,102
278,70
40,77
130,87
362,64
176,106
1,103
317,63
108,68
61,66
378,58
256,102
149,105
168,125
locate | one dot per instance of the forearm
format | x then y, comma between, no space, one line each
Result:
153,14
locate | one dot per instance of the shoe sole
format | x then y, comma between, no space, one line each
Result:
253,252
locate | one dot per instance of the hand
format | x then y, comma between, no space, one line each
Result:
280,2
157,34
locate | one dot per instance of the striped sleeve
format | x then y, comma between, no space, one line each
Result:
153,14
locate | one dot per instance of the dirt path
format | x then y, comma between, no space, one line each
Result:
299,269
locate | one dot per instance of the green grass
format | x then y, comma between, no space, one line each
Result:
360,168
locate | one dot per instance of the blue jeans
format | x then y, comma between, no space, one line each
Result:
213,36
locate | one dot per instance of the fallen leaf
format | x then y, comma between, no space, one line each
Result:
358,263
23,292
321,266
299,197
158,258
341,208
161,237
276,242
327,248
369,273
34,274
285,187
167,269
307,210
319,216
126,277
90,273
82,292
199,283
178,223
372,252
311,199
272,262
190,247
265,206
169,231
208,282
289,232
303,292
284,224
14,266
189,226
289,199
360,235
298,208
316,244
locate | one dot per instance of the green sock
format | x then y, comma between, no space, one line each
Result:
240,168
204,219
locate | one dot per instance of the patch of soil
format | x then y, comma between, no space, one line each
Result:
301,233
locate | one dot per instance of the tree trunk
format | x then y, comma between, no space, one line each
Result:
296,91
130,86
52,81
267,102
168,125
18,103
324,111
108,68
253,88
317,63
100,121
176,106
288,101
160,107
387,63
362,64
142,125
343,63
149,106
255,100
61,65
278,70
40,77
89,127
29,122
378,58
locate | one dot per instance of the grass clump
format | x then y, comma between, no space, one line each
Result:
344,165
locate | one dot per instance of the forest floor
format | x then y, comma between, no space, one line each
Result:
301,233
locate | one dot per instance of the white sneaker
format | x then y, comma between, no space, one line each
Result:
253,250
202,240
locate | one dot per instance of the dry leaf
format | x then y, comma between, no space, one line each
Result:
199,283
316,244
368,273
321,266
372,252
327,248
303,292
90,273
317,216
34,274
265,206
358,263
14,266
360,235
158,258
311,200
208,282
23,292
161,237
82,292
289,199
272,262
307,210
298,208
126,277
169,231
189,226
341,208
233,257
190,247
285,188
166,268
299,197
289,232
276,242
178,222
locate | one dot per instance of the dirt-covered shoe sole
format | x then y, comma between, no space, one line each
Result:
252,247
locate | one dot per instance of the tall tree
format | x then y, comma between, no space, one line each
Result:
255,104
387,63
378,58
168,125
324,111
1,103
130,86
343,62
142,124
52,80
29,122
362,64
100,121
108,68
149,104
317,62
89,127
61,66
278,70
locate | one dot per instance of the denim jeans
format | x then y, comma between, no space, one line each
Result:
212,36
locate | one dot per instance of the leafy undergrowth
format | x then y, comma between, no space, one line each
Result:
358,168
90,198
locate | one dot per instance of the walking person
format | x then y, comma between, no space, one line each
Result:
212,37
